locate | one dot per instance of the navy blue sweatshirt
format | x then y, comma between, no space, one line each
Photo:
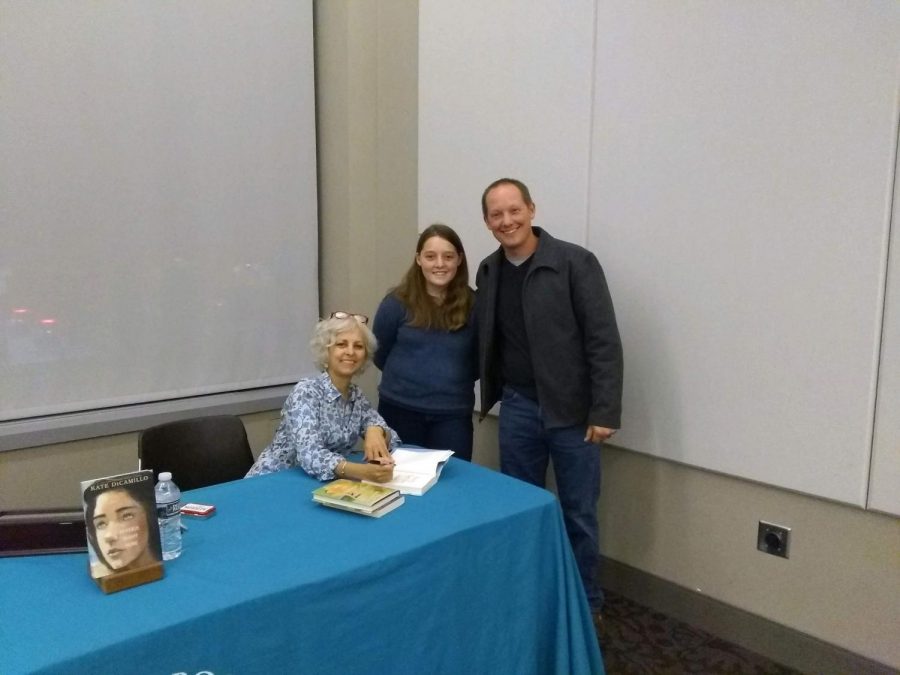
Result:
424,370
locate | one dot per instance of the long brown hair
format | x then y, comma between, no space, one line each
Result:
423,311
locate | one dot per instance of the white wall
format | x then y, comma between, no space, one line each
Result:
500,94
884,491
740,187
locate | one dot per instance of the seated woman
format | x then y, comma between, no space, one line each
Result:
324,416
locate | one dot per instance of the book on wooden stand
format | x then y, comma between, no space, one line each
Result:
368,499
416,470
122,530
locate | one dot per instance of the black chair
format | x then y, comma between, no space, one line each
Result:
198,452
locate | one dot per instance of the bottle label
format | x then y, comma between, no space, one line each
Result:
167,510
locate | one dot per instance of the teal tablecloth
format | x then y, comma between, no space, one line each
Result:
476,576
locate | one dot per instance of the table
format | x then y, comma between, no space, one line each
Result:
476,576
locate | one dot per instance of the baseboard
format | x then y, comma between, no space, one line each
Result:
779,643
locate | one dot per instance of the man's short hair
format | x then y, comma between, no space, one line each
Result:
523,190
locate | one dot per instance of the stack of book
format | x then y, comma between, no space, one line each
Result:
365,498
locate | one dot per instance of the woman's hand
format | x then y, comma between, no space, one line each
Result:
375,445
377,471
380,473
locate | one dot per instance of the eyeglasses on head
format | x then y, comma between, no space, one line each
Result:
362,318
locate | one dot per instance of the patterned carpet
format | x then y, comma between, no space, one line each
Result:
636,640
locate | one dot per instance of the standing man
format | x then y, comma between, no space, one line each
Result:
549,349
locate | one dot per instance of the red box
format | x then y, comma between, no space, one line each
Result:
198,510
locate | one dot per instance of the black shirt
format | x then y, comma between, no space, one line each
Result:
515,352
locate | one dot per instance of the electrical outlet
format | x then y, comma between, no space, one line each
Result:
773,539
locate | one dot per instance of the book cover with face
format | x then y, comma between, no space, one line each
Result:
120,518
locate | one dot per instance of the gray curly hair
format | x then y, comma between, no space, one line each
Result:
325,335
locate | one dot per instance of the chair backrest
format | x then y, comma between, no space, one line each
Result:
200,451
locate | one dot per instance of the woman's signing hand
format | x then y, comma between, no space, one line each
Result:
379,472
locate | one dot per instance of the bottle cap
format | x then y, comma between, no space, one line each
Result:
165,475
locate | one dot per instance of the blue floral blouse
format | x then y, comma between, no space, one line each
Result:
318,429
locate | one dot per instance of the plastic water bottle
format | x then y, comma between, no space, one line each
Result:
168,512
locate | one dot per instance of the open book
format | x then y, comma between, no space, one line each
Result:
415,471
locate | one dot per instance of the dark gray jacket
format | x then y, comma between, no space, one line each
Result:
576,352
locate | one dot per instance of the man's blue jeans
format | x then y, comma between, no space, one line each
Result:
526,446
